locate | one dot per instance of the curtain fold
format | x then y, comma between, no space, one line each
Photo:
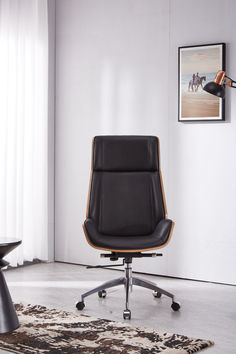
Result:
24,127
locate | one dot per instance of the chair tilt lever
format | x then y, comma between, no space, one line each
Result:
127,258
114,256
107,265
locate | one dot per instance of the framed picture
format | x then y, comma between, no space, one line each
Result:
197,66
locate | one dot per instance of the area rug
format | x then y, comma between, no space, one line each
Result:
51,331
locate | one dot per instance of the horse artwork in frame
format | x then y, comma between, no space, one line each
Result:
197,66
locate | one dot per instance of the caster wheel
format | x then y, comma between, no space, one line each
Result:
80,305
102,293
157,294
175,306
127,314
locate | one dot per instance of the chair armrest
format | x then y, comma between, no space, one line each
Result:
164,229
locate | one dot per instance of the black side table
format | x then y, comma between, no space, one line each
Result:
8,317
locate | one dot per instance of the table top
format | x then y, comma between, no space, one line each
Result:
7,245
9,241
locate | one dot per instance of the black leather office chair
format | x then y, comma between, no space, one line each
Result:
126,212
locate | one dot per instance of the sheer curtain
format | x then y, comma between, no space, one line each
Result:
24,127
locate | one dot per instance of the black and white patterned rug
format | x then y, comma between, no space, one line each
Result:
51,331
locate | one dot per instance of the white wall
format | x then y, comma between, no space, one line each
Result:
116,73
108,70
202,168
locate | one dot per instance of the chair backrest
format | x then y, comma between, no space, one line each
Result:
126,197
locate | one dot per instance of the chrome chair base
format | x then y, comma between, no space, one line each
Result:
128,281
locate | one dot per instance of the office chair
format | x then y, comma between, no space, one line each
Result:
126,211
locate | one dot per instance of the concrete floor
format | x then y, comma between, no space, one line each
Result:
208,310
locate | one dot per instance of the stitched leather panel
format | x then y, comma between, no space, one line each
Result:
125,153
158,238
126,203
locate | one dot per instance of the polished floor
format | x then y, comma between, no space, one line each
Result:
208,310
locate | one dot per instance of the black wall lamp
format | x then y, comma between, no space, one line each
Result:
217,87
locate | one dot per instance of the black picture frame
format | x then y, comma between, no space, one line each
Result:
194,104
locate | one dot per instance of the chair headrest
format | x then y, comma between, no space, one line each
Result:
125,153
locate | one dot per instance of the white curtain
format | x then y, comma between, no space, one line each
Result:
24,127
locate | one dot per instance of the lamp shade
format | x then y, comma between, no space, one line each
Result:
215,89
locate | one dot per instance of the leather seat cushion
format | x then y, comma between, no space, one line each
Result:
158,238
